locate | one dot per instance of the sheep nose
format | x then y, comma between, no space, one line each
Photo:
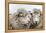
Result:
36,22
25,25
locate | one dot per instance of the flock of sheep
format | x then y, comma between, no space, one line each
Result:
23,19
